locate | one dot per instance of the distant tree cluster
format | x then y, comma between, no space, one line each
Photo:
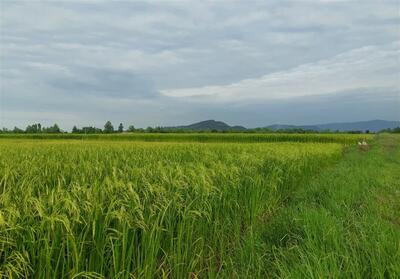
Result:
108,129
86,130
392,131
34,129
52,129
37,128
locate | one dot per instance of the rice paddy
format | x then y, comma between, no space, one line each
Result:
181,206
203,137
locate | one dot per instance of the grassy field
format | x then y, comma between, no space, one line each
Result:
203,137
345,223
131,209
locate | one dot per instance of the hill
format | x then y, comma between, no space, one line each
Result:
372,125
213,125
208,125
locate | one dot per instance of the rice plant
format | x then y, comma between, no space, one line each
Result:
122,209
204,137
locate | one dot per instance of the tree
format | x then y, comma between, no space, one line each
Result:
131,128
120,128
395,130
51,129
75,129
108,127
17,130
34,128
54,129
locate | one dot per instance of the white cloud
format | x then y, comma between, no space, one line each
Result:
366,67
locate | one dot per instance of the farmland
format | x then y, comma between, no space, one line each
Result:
198,206
203,137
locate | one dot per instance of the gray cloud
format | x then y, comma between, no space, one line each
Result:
369,66
112,83
85,62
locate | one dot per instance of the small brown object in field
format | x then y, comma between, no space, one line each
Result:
363,145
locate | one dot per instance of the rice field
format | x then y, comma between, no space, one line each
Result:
204,137
134,209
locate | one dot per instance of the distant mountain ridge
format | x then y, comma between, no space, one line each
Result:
371,125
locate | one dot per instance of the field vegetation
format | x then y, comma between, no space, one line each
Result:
203,137
237,206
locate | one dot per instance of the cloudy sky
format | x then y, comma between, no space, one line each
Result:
250,63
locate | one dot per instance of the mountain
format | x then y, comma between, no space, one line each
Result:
372,125
208,125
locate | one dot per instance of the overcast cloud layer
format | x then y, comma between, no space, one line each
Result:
250,63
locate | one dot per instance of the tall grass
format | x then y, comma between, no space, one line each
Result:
105,209
345,223
203,137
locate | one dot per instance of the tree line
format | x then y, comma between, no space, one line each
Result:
34,129
109,128
54,129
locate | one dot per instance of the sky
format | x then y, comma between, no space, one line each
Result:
153,63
